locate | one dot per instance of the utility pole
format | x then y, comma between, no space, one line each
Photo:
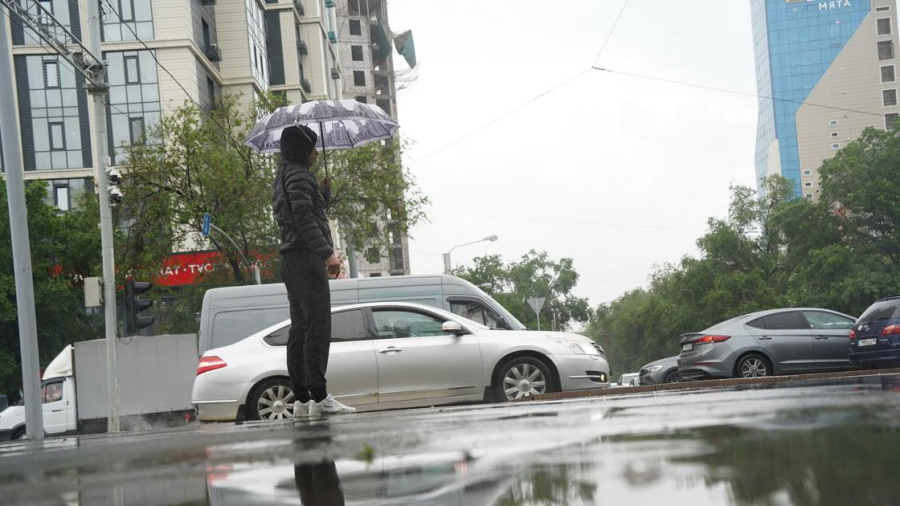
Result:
21,246
86,61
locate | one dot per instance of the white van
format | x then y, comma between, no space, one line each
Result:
233,313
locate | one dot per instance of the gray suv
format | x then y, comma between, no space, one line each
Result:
777,341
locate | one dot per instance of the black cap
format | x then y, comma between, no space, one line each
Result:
297,142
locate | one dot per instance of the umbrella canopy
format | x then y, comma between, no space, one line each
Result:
340,124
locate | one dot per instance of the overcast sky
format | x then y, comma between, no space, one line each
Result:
616,172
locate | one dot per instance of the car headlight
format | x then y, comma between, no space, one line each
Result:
576,347
654,368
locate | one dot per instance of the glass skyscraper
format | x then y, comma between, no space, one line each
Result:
796,43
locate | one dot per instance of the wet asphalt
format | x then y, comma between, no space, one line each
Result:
807,443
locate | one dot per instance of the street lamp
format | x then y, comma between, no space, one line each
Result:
447,266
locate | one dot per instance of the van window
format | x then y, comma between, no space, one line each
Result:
230,327
474,311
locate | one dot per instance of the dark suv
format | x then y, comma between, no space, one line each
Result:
875,338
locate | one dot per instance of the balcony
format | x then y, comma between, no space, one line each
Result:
302,48
332,37
305,84
213,53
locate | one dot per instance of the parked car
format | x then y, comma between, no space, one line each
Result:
875,339
631,379
398,355
777,341
232,313
664,370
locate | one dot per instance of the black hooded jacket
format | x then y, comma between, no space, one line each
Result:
298,205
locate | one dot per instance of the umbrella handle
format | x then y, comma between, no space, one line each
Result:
324,153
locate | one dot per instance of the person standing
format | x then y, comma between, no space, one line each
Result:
308,259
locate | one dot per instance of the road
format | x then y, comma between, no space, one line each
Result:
810,442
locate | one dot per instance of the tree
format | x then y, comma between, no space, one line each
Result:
194,162
535,275
65,248
191,163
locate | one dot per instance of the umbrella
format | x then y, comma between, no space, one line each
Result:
340,124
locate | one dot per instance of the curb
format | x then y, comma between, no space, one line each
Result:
707,385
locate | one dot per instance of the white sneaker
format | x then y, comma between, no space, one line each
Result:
329,406
301,410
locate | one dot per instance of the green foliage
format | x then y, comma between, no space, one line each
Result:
192,163
65,248
841,253
370,189
535,275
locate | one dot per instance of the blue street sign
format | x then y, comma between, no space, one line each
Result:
206,224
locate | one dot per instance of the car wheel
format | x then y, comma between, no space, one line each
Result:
753,366
271,400
522,377
672,377
20,434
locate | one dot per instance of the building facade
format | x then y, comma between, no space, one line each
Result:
825,71
365,48
160,53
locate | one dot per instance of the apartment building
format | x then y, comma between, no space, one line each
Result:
365,48
825,72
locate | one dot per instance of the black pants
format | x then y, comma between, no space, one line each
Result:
310,336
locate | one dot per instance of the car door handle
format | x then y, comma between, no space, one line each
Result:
821,337
390,350
57,411
765,338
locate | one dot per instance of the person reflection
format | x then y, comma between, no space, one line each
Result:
319,484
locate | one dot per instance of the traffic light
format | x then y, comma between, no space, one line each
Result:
134,306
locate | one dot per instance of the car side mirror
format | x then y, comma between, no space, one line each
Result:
451,327
501,323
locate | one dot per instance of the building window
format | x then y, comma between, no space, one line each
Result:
61,198
886,50
807,184
51,74
809,195
126,10
373,255
884,26
211,90
355,27
887,74
807,172
883,8
834,134
889,97
356,53
57,136
359,78
889,120
136,130
207,41
835,146
132,70
833,122
362,100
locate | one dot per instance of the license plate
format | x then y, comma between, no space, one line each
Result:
868,342
690,346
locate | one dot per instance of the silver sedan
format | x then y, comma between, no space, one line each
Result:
777,341
398,355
